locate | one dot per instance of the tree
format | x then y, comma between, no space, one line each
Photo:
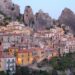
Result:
2,73
8,72
54,72
18,72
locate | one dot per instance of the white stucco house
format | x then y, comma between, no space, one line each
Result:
10,63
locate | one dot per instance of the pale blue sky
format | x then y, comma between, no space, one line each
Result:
53,7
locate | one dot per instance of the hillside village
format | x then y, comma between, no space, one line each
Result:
22,46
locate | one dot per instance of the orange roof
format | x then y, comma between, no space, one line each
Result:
34,48
24,51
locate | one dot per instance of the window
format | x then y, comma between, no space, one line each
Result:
0,60
13,69
8,61
22,55
13,60
0,65
42,52
11,66
34,53
27,15
0,43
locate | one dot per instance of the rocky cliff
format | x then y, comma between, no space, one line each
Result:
67,17
43,20
29,17
40,20
9,9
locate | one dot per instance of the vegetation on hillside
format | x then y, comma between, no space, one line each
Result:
63,63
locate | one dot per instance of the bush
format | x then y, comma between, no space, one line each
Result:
2,73
63,63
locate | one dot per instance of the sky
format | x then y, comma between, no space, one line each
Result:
53,7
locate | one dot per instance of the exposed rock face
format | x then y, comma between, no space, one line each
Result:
29,17
43,20
9,9
39,20
68,18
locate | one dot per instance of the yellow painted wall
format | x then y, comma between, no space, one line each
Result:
30,58
24,58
